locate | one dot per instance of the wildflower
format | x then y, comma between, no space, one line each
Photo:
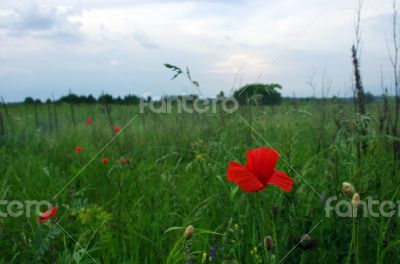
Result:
268,243
104,160
47,215
78,149
259,171
348,188
188,232
117,129
355,201
123,161
200,156
213,253
204,258
213,250
306,242
88,121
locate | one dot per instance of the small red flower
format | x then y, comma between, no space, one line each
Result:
117,129
123,161
78,149
259,171
88,121
49,214
104,160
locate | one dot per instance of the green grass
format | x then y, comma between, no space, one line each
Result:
137,213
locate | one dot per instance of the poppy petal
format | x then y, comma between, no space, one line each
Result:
50,213
261,162
41,219
47,215
281,180
242,177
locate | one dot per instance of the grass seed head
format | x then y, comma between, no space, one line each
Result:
268,243
188,232
348,188
306,242
355,201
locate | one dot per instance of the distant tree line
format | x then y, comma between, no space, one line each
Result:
259,94
254,94
90,99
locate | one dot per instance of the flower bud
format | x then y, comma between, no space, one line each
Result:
188,232
348,188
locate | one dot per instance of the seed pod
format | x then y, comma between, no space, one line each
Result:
268,243
348,188
306,242
188,232
355,201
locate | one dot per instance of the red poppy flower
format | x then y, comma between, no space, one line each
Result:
78,149
123,161
117,129
259,171
47,215
104,160
88,121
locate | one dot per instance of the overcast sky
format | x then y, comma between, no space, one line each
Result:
50,47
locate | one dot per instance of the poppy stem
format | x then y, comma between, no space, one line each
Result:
261,223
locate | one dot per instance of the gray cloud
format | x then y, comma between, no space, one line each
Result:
216,39
32,20
143,40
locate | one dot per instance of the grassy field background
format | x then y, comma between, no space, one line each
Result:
176,176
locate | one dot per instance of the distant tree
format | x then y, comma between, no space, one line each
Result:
70,98
29,100
264,94
131,99
81,99
37,101
118,100
106,99
90,99
369,97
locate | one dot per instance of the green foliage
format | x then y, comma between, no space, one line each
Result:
254,94
176,176
178,71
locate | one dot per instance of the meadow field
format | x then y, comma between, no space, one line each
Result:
166,172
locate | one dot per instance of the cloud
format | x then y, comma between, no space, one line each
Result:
31,19
115,62
275,41
143,40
